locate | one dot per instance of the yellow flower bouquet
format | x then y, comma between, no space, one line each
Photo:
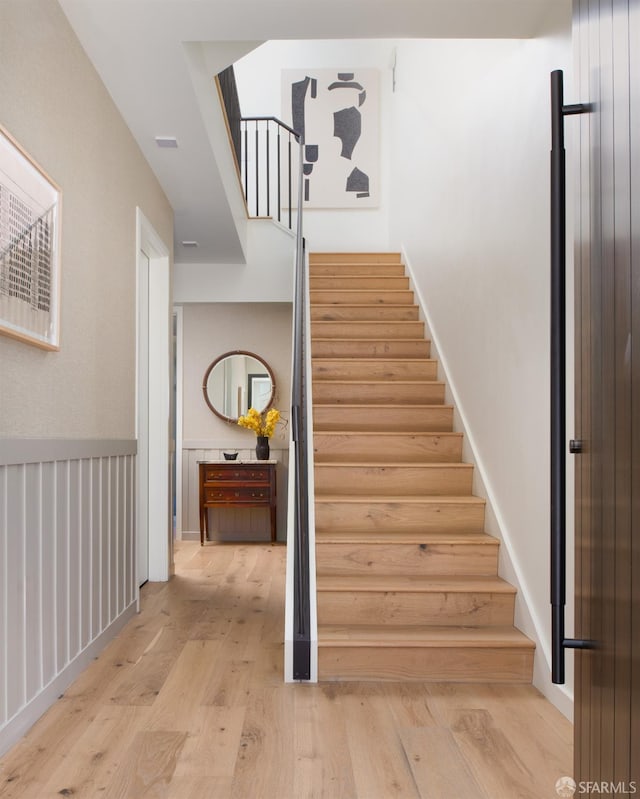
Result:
262,424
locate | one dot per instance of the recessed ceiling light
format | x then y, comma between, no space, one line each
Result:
189,243
166,141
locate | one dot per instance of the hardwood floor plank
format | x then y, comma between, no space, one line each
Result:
322,759
199,788
149,766
211,748
438,767
106,742
497,767
266,759
409,703
229,683
185,686
140,686
380,768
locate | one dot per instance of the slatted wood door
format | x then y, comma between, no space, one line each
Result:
607,717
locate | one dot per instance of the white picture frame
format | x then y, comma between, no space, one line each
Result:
30,207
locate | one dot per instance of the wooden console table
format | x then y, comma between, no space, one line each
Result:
237,484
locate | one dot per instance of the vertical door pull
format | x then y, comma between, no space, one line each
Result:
558,379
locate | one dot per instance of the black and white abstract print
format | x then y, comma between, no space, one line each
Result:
337,112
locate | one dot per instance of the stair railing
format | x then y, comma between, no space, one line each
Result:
266,150
269,148
268,155
303,610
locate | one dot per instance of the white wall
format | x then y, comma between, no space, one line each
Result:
469,205
258,76
267,275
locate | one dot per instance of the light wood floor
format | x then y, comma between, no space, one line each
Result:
188,703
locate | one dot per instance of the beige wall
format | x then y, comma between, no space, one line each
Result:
53,102
209,330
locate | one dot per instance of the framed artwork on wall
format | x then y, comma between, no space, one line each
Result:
30,204
338,113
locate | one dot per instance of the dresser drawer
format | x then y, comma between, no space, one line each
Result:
237,494
240,485
252,474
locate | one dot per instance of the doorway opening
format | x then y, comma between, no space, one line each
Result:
153,387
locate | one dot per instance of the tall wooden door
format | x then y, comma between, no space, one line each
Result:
607,712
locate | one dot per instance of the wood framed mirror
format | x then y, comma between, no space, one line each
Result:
236,381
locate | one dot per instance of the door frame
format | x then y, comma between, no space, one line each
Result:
178,312
152,417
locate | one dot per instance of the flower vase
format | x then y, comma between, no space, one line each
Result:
262,448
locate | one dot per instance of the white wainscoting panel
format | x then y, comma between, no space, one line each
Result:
229,524
67,547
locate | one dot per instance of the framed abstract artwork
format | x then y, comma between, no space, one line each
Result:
29,248
337,111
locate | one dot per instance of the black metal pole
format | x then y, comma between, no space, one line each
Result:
268,156
290,190
257,174
558,377
246,163
558,382
278,170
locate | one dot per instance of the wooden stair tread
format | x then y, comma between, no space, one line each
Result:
351,292
408,537
427,636
391,434
369,381
410,499
356,256
351,359
414,583
333,340
361,323
375,306
364,291
356,269
390,405
394,465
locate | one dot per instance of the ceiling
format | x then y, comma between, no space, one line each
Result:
138,49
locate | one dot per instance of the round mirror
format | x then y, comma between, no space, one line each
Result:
237,381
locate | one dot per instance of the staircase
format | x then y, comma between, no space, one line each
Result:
406,577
